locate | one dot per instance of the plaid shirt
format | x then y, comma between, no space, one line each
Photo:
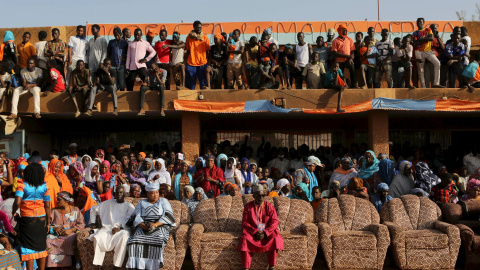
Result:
443,194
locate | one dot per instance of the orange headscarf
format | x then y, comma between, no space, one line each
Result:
340,28
52,182
220,37
90,202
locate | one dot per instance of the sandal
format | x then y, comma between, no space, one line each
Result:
38,116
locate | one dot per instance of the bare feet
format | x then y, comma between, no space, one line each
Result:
12,116
205,88
141,112
115,112
470,88
38,116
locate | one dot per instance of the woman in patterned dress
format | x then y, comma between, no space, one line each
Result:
153,219
182,179
65,221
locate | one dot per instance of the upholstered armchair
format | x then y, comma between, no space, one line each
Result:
174,252
420,240
350,233
466,215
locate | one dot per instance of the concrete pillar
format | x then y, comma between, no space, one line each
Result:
378,131
191,135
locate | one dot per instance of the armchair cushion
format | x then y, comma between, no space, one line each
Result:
425,239
220,240
294,240
354,240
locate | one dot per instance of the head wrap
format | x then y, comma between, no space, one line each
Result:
64,196
72,145
340,28
227,185
209,156
385,169
22,165
8,36
247,174
366,172
133,161
115,165
152,186
143,154
103,155
268,31
90,202
334,185
425,177
192,203
86,156
220,37
357,181
145,171
44,164
78,167
282,182
330,32
305,190
473,183
313,160
219,159
88,171
401,184
288,46
151,33
382,187
349,159
258,188
176,34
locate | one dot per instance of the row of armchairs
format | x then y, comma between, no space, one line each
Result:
347,229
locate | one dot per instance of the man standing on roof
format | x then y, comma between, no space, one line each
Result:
343,49
197,47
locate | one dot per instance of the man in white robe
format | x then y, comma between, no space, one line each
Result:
113,233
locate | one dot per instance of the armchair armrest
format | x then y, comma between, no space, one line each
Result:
466,235
453,233
311,231
325,237
194,237
83,234
181,242
383,241
397,235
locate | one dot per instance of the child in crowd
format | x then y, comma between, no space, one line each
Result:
4,81
218,58
397,71
471,74
80,82
235,48
368,54
317,197
263,79
334,80
405,53
57,83
288,59
176,61
251,54
445,191
323,52
314,72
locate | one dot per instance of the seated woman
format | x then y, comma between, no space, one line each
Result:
210,178
134,176
301,192
333,190
159,174
56,180
92,179
355,187
187,193
344,173
75,175
153,219
182,179
135,191
147,167
368,169
233,190
283,188
197,197
65,221
473,191
85,201
381,197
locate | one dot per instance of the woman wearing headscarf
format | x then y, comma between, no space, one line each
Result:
333,190
250,179
355,187
75,174
283,188
8,52
473,191
65,221
188,192
134,176
152,219
301,192
147,167
85,160
307,174
385,172
222,161
381,197
344,173
210,178
92,179
233,175
33,199
196,198
199,164
182,179
425,177
85,201
403,182
57,181
160,174
100,154
369,167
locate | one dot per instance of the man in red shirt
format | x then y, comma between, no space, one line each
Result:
343,49
163,54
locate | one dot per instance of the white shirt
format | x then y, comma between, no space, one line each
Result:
281,165
97,52
272,40
112,214
303,54
471,162
40,46
467,50
79,48
237,58
296,164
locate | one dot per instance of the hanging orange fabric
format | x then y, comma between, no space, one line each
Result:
90,202
340,81
2,48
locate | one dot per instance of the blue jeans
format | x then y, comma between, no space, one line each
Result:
194,72
119,74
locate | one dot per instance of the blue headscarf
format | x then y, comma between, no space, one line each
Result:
219,159
376,198
44,164
366,172
8,36
247,175
385,169
193,169
177,184
311,160
304,187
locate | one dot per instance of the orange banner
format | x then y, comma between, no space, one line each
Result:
209,106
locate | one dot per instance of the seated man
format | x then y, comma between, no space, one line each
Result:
259,229
32,78
154,81
113,233
104,81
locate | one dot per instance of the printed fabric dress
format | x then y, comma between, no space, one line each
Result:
61,248
145,248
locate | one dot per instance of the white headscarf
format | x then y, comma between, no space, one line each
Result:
162,172
88,171
280,184
401,184
230,172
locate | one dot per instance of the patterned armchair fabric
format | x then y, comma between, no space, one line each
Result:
465,216
174,252
350,234
217,227
419,239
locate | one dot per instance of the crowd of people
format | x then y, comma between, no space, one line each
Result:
45,202
96,65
